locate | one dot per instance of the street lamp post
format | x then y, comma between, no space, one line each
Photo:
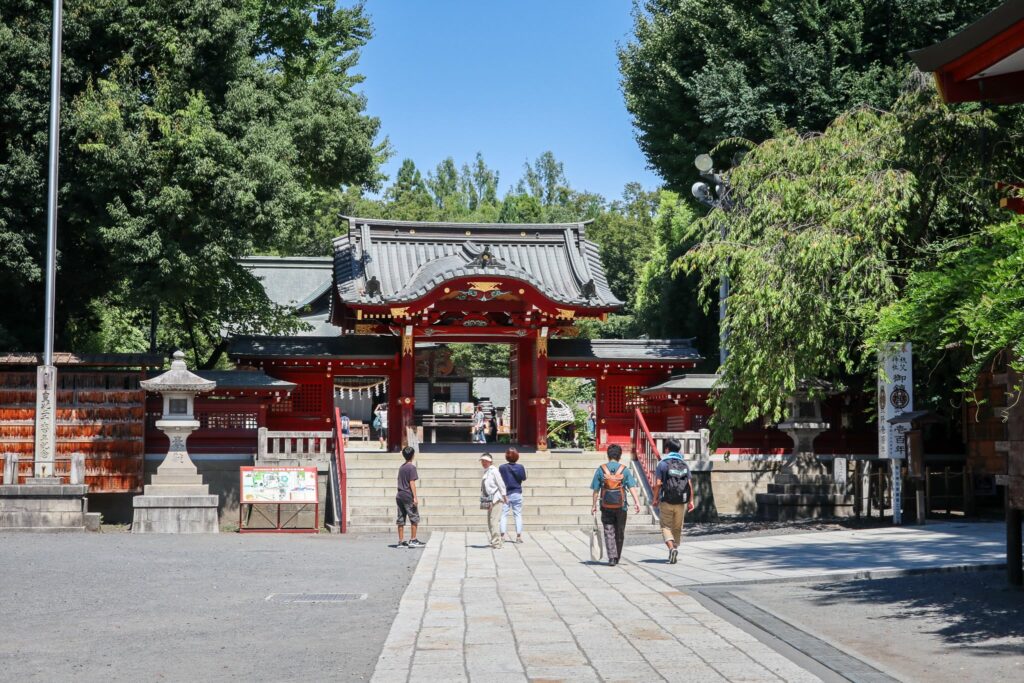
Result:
717,199
46,374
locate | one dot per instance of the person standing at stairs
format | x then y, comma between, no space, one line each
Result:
380,423
673,496
407,500
513,474
611,480
492,492
479,426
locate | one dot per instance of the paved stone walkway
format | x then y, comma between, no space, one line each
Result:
820,554
541,611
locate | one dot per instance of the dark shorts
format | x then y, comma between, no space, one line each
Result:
406,509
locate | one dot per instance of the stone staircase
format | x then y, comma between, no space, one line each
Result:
805,496
556,494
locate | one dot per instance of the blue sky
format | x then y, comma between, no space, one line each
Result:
510,79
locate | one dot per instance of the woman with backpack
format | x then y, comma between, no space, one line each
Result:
513,474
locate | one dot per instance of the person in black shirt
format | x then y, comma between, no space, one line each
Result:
407,500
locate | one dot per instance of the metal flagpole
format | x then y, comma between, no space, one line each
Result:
46,375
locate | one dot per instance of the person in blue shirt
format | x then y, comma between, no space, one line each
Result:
513,475
610,483
673,495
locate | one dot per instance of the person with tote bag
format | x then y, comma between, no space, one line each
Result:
492,492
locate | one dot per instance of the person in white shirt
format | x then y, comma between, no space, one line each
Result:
492,497
380,423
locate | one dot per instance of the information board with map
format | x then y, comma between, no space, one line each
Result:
278,485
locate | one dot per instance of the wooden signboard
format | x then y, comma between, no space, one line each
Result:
278,486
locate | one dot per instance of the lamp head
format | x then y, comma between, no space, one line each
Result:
704,163
702,193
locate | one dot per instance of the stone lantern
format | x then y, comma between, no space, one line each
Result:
176,500
804,424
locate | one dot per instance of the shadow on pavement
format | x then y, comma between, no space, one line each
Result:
966,608
975,544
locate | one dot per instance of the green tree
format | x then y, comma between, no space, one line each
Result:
809,250
696,73
193,134
664,297
482,360
521,208
828,230
968,308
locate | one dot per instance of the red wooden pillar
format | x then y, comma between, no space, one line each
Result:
406,388
601,412
394,408
525,424
539,403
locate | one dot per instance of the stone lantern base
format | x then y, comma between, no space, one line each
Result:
196,514
176,501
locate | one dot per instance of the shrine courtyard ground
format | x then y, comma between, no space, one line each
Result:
793,604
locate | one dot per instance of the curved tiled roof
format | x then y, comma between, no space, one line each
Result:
652,350
386,262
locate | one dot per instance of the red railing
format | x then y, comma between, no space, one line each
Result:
341,472
645,450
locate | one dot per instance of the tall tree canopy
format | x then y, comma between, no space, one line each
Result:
828,228
695,73
193,134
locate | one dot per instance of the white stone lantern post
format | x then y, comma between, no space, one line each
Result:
176,500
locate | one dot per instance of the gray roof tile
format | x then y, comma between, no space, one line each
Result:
687,382
408,259
313,347
645,350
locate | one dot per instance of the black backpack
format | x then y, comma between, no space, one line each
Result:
675,485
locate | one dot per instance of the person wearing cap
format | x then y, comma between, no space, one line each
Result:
492,492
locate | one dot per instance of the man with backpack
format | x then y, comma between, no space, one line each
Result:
673,496
611,480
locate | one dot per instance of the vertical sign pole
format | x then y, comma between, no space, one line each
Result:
46,374
895,397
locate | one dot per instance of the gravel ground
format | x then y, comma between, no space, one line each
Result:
120,607
950,627
740,528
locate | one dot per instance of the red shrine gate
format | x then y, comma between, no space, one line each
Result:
397,283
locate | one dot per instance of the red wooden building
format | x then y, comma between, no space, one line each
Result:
397,283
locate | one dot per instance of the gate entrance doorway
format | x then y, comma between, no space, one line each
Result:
462,393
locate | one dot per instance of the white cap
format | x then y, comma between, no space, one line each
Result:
487,457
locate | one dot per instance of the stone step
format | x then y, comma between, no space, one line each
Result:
464,485
803,499
470,509
540,497
789,513
467,474
462,501
472,465
470,528
812,479
431,492
834,489
479,520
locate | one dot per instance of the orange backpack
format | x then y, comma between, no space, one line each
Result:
613,488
